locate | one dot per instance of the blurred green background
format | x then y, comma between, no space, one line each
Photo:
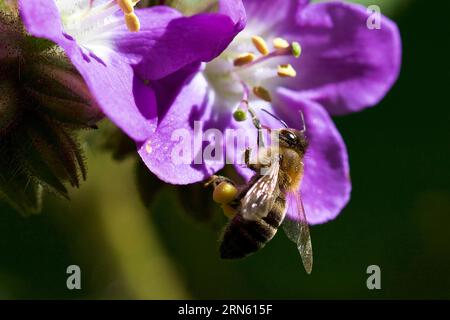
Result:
398,217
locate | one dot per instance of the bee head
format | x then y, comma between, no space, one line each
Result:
293,139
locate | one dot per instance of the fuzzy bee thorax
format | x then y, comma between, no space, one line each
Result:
291,164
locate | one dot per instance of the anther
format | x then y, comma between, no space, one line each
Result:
261,45
132,22
280,43
262,93
127,6
286,70
296,49
243,59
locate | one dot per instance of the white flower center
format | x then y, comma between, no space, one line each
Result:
249,70
90,22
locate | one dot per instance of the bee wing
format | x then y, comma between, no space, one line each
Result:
297,230
260,198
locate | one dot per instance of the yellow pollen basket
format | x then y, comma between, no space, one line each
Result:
131,19
224,193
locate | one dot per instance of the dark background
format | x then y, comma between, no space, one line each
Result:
398,217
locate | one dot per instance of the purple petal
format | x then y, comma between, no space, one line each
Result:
41,18
168,41
124,98
274,15
345,66
235,10
192,103
326,184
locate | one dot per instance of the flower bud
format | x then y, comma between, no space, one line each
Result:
9,108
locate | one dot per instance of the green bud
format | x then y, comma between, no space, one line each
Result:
17,188
43,102
63,95
296,49
9,107
240,115
38,155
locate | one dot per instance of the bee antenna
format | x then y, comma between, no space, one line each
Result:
276,117
303,122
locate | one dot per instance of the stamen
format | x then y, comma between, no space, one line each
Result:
86,25
253,80
286,71
262,93
280,43
90,11
261,45
273,54
240,114
126,6
244,59
132,22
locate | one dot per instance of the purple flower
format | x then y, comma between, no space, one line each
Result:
344,67
118,65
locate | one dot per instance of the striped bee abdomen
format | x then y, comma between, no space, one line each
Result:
243,237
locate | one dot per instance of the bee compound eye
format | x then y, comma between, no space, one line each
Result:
292,136
288,136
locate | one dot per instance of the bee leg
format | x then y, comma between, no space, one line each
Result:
252,166
214,181
262,163
225,193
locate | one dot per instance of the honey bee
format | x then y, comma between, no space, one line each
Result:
259,207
